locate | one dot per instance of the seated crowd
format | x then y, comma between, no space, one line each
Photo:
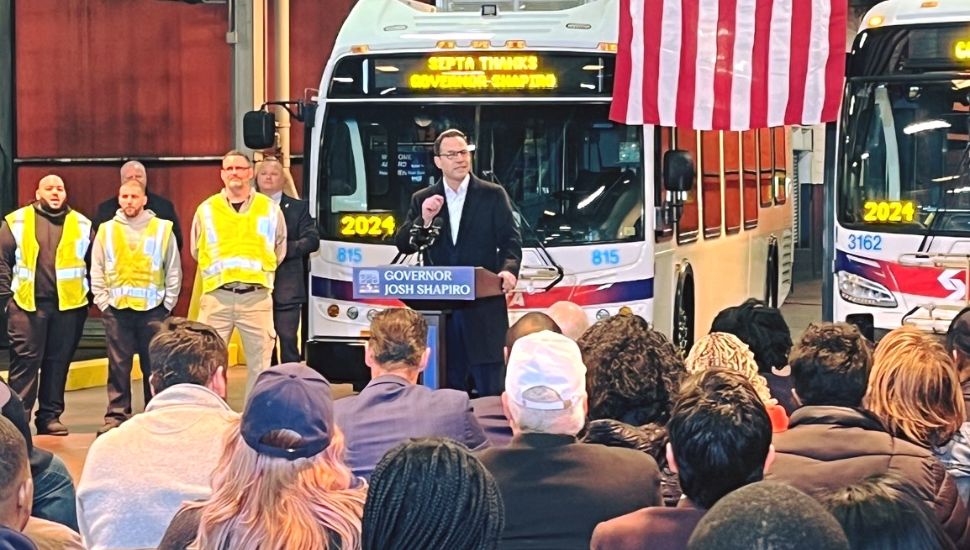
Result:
606,437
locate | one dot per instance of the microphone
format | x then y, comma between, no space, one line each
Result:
423,237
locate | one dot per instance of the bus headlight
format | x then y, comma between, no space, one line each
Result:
862,291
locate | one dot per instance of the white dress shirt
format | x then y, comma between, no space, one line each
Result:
456,201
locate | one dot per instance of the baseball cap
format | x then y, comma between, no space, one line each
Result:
546,359
289,397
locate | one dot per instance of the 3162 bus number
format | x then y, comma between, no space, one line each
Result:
888,211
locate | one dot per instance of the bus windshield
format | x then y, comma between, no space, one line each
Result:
573,176
905,156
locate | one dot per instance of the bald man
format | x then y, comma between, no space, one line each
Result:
43,267
570,317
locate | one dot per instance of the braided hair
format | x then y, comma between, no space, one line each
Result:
432,493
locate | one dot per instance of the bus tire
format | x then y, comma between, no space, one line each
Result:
684,309
771,274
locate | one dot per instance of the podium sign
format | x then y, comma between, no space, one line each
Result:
415,282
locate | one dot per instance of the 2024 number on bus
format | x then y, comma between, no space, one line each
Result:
889,211
367,225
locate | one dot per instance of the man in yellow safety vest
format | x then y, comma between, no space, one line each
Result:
239,237
136,275
42,266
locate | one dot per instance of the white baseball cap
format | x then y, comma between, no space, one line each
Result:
550,360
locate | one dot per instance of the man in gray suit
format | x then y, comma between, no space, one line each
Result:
393,407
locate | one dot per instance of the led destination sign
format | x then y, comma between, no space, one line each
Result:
474,73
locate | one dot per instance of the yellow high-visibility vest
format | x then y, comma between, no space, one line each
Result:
235,247
135,278
70,270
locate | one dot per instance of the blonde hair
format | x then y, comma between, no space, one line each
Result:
271,503
720,350
289,185
914,388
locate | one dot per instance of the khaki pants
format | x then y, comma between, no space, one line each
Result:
252,315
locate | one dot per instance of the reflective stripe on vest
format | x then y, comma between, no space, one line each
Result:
135,278
70,270
237,247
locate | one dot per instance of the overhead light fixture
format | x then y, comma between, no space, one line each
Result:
925,126
592,197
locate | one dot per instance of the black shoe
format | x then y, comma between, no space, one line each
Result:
108,426
54,427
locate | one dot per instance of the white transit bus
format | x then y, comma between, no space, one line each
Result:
902,173
530,83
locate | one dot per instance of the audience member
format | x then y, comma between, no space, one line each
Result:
768,516
488,410
393,407
432,493
16,498
766,333
832,442
633,379
876,515
137,475
570,317
555,488
955,455
54,496
914,388
720,439
162,207
281,482
724,350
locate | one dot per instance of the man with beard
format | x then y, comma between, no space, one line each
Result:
42,266
239,237
136,275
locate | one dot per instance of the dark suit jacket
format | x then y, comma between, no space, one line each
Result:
654,528
489,413
487,237
158,204
556,490
390,411
302,239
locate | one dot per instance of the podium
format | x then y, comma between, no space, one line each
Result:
435,292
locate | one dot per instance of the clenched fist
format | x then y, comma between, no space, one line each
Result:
430,208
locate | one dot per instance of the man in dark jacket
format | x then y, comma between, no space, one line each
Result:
302,239
720,440
556,489
162,207
477,229
832,442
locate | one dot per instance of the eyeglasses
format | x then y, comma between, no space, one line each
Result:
452,155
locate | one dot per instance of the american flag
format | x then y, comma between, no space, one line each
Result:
729,64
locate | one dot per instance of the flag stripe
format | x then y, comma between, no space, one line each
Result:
650,29
724,70
779,62
669,62
622,83
741,64
835,67
818,54
688,59
801,42
705,64
759,65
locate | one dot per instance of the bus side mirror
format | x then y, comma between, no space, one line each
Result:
259,130
679,176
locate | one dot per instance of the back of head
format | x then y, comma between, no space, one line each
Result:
398,338
570,317
958,342
768,516
831,364
545,385
720,434
634,371
14,470
185,352
282,475
762,328
914,388
534,321
876,515
432,493
721,350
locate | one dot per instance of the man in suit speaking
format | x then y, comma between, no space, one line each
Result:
477,229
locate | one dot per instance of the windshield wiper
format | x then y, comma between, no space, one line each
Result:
964,172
